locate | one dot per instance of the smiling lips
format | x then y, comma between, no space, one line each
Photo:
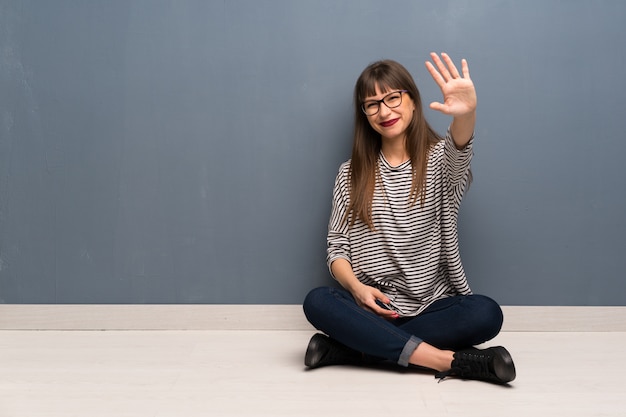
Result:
389,123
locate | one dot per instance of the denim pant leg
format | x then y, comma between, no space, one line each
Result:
335,312
456,322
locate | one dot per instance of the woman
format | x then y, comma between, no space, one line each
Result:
392,238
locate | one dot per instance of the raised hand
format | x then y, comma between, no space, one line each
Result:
459,94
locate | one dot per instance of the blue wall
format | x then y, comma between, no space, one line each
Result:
184,151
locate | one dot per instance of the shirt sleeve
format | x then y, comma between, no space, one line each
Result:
457,171
338,240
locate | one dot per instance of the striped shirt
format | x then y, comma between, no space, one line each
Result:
412,256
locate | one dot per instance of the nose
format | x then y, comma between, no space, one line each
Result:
383,110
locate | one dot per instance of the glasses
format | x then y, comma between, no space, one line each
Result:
391,100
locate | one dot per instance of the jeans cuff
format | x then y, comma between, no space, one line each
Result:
408,350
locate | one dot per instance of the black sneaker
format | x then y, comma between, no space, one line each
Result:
324,351
493,364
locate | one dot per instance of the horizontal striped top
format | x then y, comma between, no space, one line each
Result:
412,256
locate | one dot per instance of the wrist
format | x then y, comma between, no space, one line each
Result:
462,129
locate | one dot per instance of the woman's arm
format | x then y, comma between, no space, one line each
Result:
339,251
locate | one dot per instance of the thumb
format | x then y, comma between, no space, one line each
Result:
435,105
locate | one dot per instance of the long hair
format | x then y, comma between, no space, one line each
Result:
420,137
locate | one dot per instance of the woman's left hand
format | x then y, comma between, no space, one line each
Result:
459,94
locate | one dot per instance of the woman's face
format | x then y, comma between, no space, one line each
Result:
391,122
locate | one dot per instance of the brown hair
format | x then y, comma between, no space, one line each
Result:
420,137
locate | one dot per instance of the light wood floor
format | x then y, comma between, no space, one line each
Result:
260,373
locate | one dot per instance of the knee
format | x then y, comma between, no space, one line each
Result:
314,302
488,316
315,296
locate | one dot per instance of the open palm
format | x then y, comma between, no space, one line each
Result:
459,94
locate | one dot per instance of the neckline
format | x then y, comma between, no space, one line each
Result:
400,167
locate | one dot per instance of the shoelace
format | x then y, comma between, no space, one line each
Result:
443,375
469,365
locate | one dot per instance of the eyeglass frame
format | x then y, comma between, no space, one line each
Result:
382,100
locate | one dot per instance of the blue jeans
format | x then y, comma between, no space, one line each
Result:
451,323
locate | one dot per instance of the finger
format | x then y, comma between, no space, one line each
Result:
435,74
465,69
380,296
386,311
373,307
451,67
440,66
389,315
374,303
435,105
383,312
